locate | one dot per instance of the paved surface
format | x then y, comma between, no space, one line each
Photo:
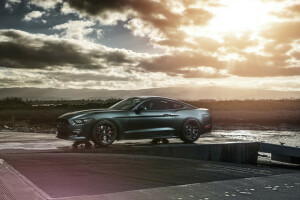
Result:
35,141
258,188
45,168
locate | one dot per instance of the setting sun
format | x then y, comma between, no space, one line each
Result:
237,15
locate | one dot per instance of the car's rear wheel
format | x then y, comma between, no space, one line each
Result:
104,133
191,131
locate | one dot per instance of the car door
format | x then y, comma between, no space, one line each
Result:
154,121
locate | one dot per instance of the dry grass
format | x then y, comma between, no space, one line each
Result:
251,105
251,114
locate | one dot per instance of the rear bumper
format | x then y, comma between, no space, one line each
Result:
207,128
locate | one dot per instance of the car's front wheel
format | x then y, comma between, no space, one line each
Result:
191,131
104,133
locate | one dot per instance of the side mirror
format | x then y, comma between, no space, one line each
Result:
140,109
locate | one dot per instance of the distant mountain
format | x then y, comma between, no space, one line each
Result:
189,93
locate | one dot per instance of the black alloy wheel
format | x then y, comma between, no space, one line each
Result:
191,131
104,133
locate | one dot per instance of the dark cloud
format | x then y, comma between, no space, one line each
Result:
34,82
155,14
80,77
23,50
115,58
7,81
158,13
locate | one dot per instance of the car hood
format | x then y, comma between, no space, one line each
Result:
84,112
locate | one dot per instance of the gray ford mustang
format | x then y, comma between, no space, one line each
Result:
136,118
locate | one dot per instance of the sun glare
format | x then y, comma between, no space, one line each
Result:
237,15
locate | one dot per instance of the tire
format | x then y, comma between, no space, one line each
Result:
190,131
104,133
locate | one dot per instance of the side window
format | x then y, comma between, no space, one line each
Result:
174,105
148,104
157,104
161,105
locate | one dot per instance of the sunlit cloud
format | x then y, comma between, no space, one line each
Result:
195,43
33,15
75,29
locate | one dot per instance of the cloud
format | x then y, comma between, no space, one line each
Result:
107,12
210,63
9,4
33,15
6,82
19,49
22,50
294,8
296,55
188,63
106,78
46,4
263,66
290,12
78,29
282,32
84,76
165,23
158,20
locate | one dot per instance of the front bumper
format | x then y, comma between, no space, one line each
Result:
69,136
67,131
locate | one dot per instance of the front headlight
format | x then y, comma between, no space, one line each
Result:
82,121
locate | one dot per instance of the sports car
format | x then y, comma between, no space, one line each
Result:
136,118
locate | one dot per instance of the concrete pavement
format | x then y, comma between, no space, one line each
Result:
257,188
53,171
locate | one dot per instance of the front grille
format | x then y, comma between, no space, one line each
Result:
63,128
63,123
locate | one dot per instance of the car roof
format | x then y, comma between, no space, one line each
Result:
148,97
154,97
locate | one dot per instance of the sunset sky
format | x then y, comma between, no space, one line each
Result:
138,44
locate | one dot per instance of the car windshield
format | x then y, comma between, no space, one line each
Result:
126,104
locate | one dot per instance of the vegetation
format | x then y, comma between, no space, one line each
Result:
252,105
253,114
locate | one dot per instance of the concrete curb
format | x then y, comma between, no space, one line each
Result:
16,186
242,152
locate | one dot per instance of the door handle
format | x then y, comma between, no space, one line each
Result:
167,115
